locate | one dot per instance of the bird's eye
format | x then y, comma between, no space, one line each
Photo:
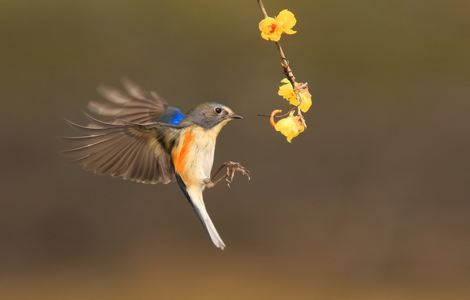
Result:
218,110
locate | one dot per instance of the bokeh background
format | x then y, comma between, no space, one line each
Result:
371,202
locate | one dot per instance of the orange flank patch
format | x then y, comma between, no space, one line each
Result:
181,151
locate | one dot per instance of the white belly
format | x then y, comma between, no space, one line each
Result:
200,160
204,152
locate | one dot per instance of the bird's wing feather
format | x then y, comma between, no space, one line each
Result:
134,105
129,151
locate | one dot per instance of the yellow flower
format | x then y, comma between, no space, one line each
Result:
290,126
270,29
287,92
273,28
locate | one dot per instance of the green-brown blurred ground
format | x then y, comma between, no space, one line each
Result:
376,206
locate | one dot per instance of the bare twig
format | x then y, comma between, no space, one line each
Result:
276,116
284,62
263,9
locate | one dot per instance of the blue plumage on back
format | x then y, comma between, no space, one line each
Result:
172,115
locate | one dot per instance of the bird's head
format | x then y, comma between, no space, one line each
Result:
209,115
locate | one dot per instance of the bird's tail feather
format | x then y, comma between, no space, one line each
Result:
195,197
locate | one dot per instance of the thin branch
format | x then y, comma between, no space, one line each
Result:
284,61
263,9
285,66
276,116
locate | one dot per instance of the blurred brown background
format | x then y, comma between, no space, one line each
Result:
371,202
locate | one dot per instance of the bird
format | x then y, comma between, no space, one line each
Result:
134,134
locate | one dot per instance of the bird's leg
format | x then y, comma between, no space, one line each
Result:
231,168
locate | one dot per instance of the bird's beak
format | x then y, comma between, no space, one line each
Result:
234,116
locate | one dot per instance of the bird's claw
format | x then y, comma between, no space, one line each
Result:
232,168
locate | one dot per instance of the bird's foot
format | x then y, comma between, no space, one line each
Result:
231,168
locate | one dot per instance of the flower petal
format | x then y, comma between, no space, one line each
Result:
289,31
306,100
287,20
287,92
273,114
265,36
290,126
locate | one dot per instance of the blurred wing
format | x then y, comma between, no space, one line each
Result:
135,105
129,151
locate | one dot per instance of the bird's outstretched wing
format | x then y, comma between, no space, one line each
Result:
131,139
129,151
135,105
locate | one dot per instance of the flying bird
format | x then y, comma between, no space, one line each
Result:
135,135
